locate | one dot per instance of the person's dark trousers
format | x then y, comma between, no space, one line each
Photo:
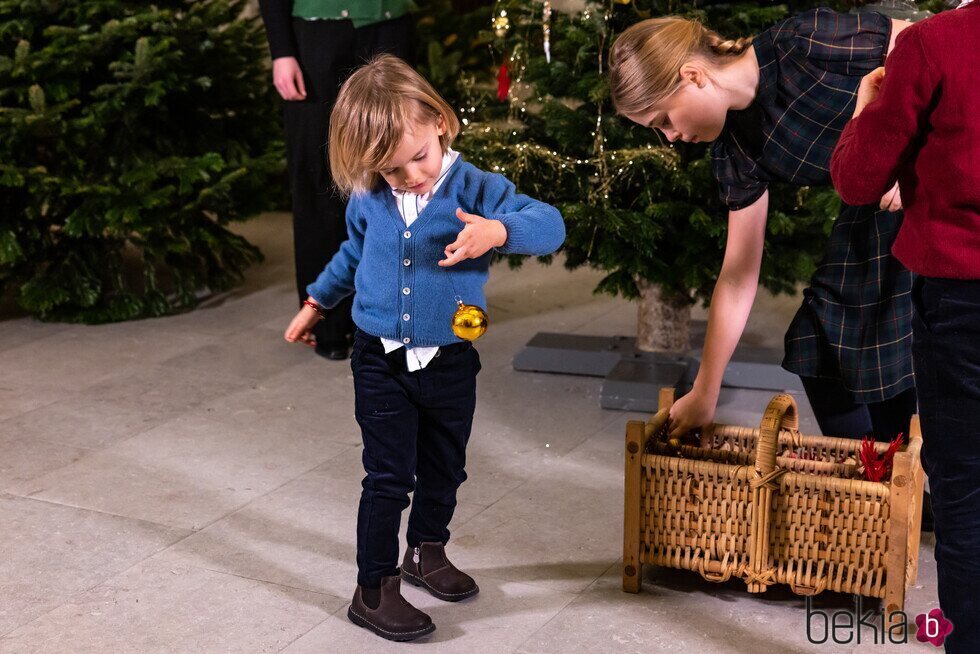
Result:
415,427
946,351
328,51
839,415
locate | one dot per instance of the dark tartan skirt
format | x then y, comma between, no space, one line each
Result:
855,323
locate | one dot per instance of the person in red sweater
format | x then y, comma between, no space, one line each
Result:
920,124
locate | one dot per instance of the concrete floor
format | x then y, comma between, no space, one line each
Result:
189,484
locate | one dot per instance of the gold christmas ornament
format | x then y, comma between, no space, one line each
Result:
470,321
501,24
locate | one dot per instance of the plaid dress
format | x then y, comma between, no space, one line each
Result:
855,321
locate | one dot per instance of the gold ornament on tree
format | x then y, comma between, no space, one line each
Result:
501,23
470,321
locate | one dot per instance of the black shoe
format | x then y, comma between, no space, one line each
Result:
333,352
427,566
393,617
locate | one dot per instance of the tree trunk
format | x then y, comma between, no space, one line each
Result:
663,320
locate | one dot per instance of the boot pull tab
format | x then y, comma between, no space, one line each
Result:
415,555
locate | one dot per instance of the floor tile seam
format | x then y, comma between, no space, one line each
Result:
105,513
70,595
36,408
245,505
248,379
88,589
585,437
89,452
88,448
261,581
34,343
185,411
333,614
315,626
595,433
544,584
564,606
5,635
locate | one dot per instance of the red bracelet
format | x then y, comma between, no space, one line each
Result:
316,307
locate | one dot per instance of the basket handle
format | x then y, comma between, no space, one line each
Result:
780,414
715,577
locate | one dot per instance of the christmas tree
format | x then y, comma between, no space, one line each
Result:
131,134
643,211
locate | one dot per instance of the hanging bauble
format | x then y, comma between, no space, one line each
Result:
470,321
503,82
501,23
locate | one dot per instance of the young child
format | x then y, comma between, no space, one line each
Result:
413,201
774,106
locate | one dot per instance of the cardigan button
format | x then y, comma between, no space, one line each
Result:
408,234
344,13
406,290
406,340
406,317
407,262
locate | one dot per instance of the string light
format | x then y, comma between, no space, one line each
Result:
602,170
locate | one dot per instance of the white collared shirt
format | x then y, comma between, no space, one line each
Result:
410,206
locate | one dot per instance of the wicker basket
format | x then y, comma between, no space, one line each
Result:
732,507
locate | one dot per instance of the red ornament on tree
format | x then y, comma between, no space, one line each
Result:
503,82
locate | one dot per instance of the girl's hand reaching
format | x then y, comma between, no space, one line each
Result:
693,411
475,240
300,328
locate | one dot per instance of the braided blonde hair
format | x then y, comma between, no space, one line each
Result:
645,60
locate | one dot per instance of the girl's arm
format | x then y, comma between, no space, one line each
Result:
731,302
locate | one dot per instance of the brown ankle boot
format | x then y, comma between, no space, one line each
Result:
395,618
428,567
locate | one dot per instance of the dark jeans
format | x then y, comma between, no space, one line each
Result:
946,348
839,415
328,51
415,426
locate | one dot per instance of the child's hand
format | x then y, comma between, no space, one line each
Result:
868,90
892,200
475,240
302,324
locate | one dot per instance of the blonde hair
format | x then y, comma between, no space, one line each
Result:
645,61
377,105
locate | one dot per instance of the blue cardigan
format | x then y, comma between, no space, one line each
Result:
401,291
